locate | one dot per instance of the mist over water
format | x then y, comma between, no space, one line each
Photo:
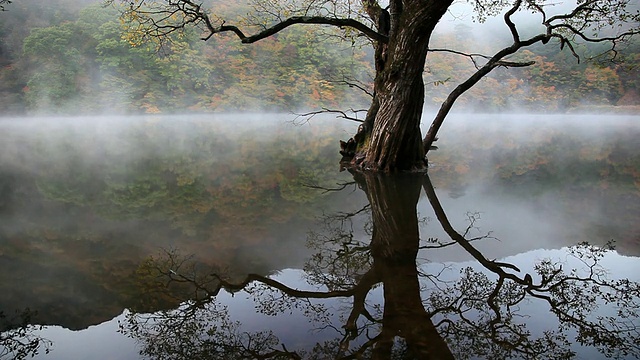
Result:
97,212
85,202
548,178
515,170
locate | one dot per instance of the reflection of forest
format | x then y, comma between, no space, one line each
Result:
82,205
423,315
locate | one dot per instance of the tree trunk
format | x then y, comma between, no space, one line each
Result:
390,139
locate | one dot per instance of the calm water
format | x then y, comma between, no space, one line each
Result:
238,236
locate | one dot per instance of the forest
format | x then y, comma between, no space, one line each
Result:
72,57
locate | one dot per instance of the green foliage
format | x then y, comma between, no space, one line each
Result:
89,64
556,82
75,60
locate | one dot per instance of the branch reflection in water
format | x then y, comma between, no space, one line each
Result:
423,314
18,338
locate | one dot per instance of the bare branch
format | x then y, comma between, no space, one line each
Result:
354,84
587,16
343,114
318,20
510,24
471,56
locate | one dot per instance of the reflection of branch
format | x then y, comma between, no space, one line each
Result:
440,245
17,336
200,333
282,287
326,189
571,297
2,2
359,293
340,257
477,311
458,238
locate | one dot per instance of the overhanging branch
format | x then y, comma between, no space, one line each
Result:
160,19
473,56
318,20
341,114
565,28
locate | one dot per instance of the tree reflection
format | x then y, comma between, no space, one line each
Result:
574,296
18,338
424,315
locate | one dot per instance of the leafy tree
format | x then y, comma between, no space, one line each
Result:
59,77
15,69
389,139
91,67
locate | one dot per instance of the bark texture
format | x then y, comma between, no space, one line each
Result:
390,138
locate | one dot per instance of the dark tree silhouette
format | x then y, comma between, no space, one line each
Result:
389,139
423,315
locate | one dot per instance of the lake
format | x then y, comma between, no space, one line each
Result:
240,237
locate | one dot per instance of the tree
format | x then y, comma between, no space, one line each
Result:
389,138
2,3
59,77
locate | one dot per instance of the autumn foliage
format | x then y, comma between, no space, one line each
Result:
78,60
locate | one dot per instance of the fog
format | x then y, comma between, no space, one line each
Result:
523,174
87,200
128,155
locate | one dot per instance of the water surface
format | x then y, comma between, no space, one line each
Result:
238,236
